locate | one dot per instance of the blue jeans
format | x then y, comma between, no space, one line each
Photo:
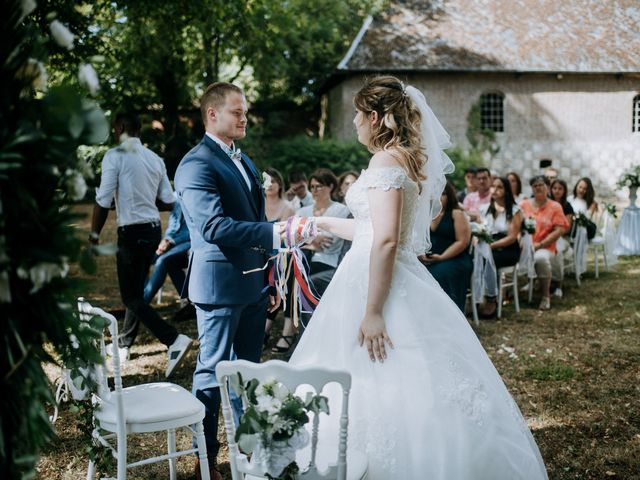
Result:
225,332
172,262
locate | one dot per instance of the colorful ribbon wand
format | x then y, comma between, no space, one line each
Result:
291,261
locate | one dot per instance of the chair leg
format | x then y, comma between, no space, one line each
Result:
515,290
604,257
171,448
122,456
531,282
499,299
597,261
202,452
91,470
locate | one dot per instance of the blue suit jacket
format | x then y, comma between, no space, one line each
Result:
227,225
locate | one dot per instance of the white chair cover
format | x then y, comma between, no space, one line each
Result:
484,272
609,234
527,263
580,244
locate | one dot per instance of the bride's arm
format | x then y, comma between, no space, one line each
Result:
386,209
341,227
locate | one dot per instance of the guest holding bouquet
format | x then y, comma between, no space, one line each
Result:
551,224
503,220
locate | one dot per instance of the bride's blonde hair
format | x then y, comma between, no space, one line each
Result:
399,125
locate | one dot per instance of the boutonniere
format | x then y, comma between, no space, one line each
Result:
266,180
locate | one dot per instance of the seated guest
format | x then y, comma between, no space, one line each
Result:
551,224
504,221
277,208
172,256
583,198
516,187
551,173
559,192
344,183
482,196
469,183
298,194
325,248
449,261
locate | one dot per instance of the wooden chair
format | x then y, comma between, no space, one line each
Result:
293,377
145,408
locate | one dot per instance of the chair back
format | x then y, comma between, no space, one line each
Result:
99,371
292,377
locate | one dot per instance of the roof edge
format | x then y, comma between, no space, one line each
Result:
356,41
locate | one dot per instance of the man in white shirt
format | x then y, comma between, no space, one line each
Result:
136,178
298,193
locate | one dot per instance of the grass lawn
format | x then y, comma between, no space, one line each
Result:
574,372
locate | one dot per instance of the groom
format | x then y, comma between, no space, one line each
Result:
223,202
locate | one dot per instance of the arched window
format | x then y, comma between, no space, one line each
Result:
492,111
636,114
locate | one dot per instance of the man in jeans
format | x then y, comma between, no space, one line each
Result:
137,179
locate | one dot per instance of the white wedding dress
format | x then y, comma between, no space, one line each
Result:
436,408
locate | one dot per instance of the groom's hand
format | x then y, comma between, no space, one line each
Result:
274,302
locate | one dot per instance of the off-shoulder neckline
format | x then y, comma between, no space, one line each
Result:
390,167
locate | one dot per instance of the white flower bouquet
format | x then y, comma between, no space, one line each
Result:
481,232
530,225
272,426
630,178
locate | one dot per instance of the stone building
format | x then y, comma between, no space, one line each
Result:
555,80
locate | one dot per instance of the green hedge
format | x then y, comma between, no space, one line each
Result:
308,154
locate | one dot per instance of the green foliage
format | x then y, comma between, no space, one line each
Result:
307,154
463,159
157,58
551,371
40,131
480,139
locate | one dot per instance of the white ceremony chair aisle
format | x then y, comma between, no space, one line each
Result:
292,377
507,277
145,408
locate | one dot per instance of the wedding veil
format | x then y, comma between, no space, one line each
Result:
434,140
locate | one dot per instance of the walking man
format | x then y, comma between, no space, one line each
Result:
137,179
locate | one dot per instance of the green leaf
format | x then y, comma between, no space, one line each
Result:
76,125
97,126
87,261
106,249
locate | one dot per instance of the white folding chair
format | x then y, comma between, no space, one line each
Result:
292,377
508,277
145,408
597,244
471,298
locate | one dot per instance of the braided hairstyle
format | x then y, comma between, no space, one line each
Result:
399,126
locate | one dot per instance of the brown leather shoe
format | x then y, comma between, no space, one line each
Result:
213,473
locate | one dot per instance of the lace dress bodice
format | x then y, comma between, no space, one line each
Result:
357,200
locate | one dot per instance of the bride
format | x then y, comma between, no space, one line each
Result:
426,401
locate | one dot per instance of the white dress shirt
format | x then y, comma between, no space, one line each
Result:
136,177
237,163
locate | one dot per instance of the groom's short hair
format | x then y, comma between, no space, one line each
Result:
215,96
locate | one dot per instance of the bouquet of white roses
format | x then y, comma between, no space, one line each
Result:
272,426
630,178
481,232
530,225
610,208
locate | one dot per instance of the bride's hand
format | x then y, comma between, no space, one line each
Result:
373,334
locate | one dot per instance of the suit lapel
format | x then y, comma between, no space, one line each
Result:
220,155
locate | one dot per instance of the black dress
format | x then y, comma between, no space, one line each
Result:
454,274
